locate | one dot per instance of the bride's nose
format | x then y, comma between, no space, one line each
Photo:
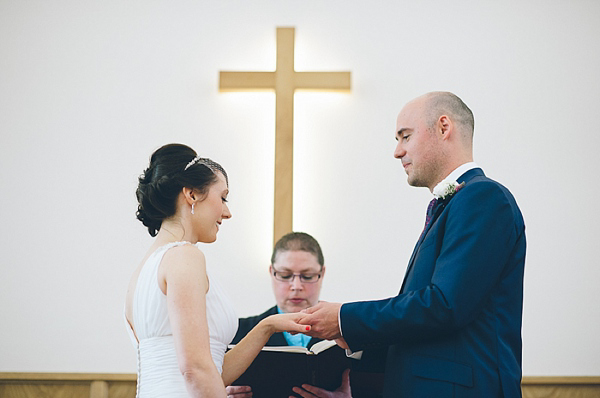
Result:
226,212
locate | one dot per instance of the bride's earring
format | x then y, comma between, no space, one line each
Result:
193,208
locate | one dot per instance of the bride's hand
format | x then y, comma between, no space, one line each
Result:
286,323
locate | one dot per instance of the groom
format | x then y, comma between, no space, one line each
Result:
454,329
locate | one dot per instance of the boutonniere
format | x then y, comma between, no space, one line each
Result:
446,189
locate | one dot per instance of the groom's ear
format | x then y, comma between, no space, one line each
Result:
444,127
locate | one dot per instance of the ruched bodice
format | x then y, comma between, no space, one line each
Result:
158,370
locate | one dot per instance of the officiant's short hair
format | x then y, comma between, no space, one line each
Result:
298,241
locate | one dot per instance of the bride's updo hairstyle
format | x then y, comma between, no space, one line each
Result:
172,167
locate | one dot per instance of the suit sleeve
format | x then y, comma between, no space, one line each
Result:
479,234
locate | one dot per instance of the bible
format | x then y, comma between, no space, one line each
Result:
277,369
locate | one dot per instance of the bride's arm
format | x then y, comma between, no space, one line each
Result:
182,276
241,356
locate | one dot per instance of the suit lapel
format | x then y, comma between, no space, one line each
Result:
439,208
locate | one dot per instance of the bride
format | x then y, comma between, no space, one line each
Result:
178,317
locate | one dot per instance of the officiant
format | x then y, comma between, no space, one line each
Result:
297,271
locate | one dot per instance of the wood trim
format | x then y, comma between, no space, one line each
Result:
560,380
16,376
68,385
123,385
99,389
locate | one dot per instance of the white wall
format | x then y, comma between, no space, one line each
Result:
89,89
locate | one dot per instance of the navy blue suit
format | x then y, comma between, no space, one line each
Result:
454,330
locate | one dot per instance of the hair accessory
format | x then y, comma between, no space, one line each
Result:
213,166
193,207
192,162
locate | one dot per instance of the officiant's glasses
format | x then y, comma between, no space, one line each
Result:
284,276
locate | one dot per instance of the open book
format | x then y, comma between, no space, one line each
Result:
314,350
277,369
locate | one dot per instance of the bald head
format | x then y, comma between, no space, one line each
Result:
438,103
435,136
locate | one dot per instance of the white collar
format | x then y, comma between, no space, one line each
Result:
457,172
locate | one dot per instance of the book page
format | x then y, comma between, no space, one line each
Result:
314,350
322,346
283,348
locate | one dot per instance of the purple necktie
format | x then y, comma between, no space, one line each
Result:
429,215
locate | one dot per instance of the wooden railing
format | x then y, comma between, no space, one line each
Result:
561,387
67,385
123,385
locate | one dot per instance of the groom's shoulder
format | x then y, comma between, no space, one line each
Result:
479,182
481,190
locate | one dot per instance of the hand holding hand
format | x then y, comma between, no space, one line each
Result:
286,323
323,319
343,391
238,391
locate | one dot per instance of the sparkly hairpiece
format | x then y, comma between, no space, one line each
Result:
192,162
213,166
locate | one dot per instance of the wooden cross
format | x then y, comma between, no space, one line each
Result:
284,80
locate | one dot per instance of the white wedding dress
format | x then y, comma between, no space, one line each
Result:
158,372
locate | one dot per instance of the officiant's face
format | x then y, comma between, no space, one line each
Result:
292,294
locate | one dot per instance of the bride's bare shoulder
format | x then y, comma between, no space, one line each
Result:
183,259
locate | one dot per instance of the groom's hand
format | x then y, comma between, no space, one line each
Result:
323,319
